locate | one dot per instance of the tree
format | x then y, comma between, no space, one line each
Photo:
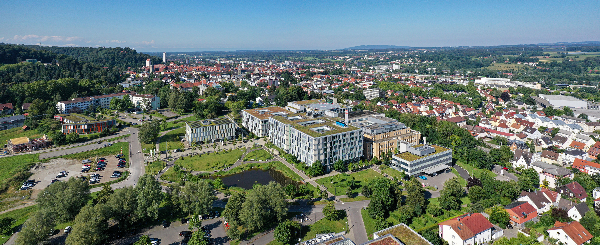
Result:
233,208
63,200
6,225
476,193
330,212
90,226
315,169
415,195
528,179
499,216
583,116
197,197
339,166
560,214
383,198
434,210
198,238
149,132
568,111
104,194
58,138
472,181
591,222
72,138
36,228
144,240
287,231
149,197
451,194
264,205
505,96
122,205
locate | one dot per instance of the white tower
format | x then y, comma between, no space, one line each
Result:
164,57
149,63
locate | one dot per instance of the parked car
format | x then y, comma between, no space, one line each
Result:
118,156
86,161
154,241
102,159
165,224
61,174
116,174
54,180
67,229
185,233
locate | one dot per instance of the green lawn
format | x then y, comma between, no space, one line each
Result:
324,226
354,199
20,216
12,133
16,167
154,167
279,166
476,172
212,161
392,172
258,155
462,181
147,147
341,181
369,223
172,175
173,138
114,149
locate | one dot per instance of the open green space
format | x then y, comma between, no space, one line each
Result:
16,168
338,184
19,216
473,171
210,161
173,139
277,165
391,172
12,133
154,167
258,155
462,181
114,149
324,226
172,175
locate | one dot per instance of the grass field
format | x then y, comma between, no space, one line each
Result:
324,226
369,223
392,172
258,155
172,175
12,133
114,149
472,170
279,166
12,167
154,167
341,181
20,216
505,67
173,138
211,161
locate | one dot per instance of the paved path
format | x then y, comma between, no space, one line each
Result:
463,173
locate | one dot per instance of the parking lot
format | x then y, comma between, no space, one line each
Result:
437,182
170,234
44,173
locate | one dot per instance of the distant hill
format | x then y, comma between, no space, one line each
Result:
363,47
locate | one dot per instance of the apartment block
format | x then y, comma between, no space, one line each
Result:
142,101
209,130
81,124
372,93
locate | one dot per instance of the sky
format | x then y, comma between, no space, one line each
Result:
295,25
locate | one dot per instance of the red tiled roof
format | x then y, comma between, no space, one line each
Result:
578,145
574,230
468,226
581,164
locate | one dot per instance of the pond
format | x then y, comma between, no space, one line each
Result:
250,177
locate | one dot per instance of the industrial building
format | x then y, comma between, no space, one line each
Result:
422,158
560,101
209,130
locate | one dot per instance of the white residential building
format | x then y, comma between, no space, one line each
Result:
572,233
422,158
209,130
467,229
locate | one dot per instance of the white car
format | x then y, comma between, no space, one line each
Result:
67,229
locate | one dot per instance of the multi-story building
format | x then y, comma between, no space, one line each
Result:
422,158
209,130
467,229
11,122
103,101
76,123
317,135
381,134
372,93
257,120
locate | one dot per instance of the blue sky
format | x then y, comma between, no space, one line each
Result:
230,25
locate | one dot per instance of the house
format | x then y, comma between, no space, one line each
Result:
541,200
6,109
550,173
568,157
466,229
591,126
520,213
578,211
542,143
460,121
594,150
522,159
573,190
572,233
12,122
550,157
532,133
560,141
587,167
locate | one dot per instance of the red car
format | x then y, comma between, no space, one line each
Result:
505,168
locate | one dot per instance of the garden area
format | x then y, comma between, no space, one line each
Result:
153,168
339,184
258,155
210,161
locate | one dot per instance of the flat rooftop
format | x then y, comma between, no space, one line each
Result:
559,97
405,234
412,157
265,113
315,126
209,122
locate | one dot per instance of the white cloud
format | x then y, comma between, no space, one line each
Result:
147,43
52,40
